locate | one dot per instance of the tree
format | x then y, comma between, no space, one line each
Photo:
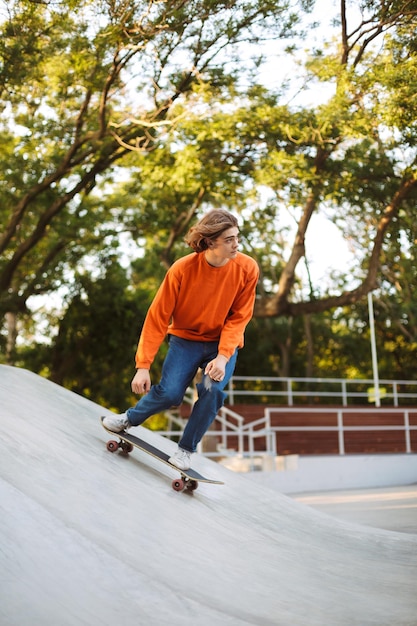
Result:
231,143
82,84
345,153
93,352
341,156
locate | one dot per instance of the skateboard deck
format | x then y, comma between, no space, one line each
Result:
189,478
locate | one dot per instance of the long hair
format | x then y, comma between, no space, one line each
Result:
211,226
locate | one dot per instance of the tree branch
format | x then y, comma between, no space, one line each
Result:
279,304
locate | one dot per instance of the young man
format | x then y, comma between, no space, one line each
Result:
203,304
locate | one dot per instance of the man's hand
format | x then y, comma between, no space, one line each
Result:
141,382
216,368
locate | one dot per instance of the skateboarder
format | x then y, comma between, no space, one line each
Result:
203,306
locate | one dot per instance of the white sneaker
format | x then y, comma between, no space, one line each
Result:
116,423
181,459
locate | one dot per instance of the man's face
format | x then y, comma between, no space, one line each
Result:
227,244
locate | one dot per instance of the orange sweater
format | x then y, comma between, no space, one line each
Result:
202,303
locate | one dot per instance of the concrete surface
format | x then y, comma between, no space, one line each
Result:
298,475
91,538
390,508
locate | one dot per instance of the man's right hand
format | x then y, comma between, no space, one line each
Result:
141,382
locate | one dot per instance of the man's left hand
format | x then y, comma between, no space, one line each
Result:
216,368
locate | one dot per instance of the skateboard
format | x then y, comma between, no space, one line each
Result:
189,478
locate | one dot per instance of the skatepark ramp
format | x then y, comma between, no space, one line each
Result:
93,538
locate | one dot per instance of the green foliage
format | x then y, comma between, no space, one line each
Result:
93,353
82,84
109,139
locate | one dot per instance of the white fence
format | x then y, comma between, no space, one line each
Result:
291,391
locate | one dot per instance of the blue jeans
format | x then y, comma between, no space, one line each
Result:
181,364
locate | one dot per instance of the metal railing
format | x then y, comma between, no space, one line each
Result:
290,391
232,426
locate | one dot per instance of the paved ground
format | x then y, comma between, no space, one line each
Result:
93,538
390,508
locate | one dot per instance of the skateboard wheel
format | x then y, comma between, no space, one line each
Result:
126,447
112,445
192,485
178,484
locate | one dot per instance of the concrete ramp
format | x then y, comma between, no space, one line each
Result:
93,538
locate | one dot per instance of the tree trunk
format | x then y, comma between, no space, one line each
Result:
309,345
11,327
